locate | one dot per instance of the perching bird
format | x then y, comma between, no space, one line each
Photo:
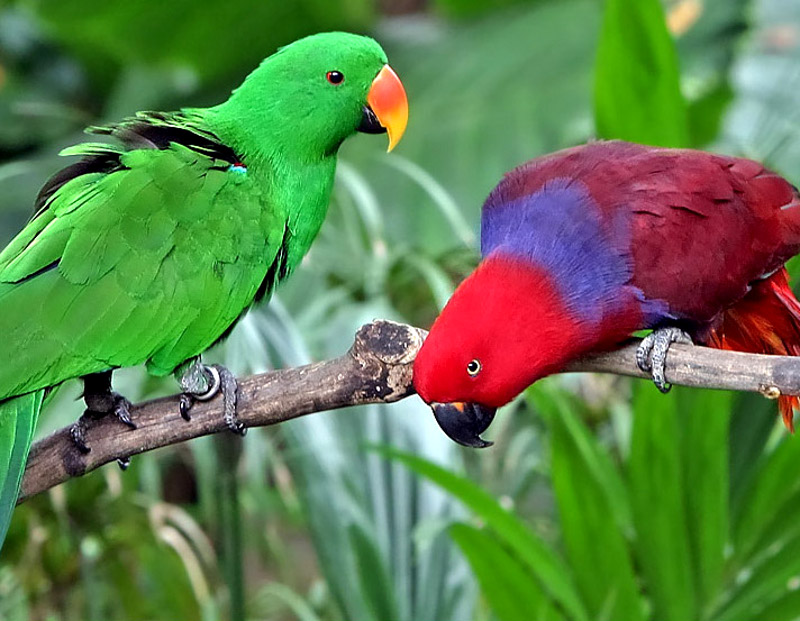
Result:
150,251
583,247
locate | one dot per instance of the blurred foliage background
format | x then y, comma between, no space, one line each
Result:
600,500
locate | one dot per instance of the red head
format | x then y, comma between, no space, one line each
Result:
505,327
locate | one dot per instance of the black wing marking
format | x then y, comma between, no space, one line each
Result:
147,130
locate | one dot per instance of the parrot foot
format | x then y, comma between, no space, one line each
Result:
78,434
201,383
651,355
100,401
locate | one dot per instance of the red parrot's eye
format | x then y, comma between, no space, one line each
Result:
474,367
335,77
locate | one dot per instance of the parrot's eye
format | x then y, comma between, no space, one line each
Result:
474,367
335,77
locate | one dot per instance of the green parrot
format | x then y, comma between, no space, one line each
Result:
149,250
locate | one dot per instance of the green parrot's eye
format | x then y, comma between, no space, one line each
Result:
474,367
335,77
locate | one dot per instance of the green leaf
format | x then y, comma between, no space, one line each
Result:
637,92
752,422
13,599
782,527
298,607
376,585
542,561
513,594
774,483
703,420
472,8
706,113
786,608
362,512
213,39
551,402
656,484
773,575
227,483
585,484
707,52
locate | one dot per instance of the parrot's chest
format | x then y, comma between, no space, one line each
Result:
220,252
233,247
256,228
302,199
215,270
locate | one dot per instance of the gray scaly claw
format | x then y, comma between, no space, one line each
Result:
201,383
651,355
643,353
230,391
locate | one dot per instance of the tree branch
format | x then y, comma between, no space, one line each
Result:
376,369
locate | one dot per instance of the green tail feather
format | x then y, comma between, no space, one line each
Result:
18,417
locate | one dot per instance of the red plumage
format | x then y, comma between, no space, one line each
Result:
765,321
620,237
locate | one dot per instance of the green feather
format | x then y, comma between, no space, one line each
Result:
18,418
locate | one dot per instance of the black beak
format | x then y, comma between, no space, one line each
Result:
464,422
370,123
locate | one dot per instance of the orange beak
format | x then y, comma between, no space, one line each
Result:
388,101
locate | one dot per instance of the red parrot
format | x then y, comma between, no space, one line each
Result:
583,247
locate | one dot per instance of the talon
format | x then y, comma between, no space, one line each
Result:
239,428
643,353
185,404
78,434
202,383
651,355
660,380
230,390
122,410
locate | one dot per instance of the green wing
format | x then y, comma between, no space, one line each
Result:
141,253
149,259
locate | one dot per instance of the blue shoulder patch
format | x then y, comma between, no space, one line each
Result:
559,228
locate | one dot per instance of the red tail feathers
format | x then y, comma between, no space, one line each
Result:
765,321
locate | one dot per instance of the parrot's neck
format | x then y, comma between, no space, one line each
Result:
511,315
541,334
262,134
